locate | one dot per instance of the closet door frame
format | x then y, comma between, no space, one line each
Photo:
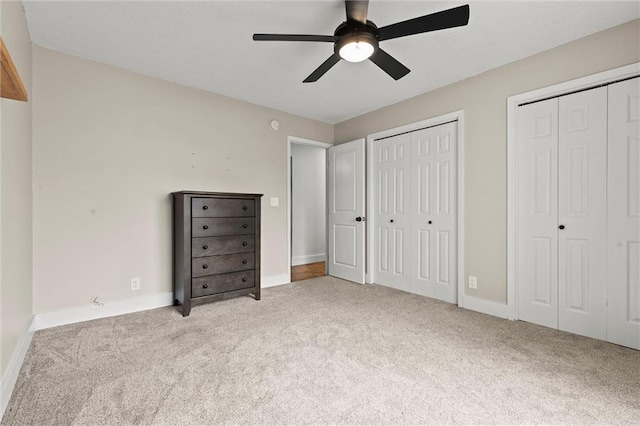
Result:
456,116
513,102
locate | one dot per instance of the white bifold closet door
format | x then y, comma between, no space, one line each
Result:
623,314
578,254
582,211
562,213
416,211
434,212
393,219
537,251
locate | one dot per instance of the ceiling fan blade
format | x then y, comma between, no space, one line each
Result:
357,10
294,37
389,64
322,69
456,17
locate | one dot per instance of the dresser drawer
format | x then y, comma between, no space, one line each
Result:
214,284
222,207
212,227
211,246
202,266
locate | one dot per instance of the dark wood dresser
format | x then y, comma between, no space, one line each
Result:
216,247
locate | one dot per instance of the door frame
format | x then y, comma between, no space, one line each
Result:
458,117
307,142
513,102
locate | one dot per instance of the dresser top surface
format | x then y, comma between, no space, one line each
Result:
214,194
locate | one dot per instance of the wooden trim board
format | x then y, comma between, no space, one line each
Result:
11,86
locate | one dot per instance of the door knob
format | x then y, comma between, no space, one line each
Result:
561,226
358,219
430,222
391,221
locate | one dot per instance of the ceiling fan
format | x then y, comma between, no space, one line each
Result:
357,38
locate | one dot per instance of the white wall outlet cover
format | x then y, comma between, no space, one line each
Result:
274,125
473,282
275,201
135,284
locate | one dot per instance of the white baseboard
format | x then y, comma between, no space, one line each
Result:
499,310
10,377
274,280
124,306
109,309
311,258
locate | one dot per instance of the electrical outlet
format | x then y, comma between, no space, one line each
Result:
275,201
135,284
473,282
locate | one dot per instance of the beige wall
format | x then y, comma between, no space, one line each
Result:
483,99
109,147
15,191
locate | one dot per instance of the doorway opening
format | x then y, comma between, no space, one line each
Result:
307,240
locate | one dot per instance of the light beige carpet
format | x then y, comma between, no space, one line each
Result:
322,351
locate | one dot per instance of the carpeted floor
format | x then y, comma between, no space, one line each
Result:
322,351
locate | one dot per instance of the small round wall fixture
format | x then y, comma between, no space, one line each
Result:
274,125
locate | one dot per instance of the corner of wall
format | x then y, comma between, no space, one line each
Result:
10,375
16,206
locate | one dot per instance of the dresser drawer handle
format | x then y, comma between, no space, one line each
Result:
244,243
244,261
244,280
244,207
204,247
245,225
205,285
205,227
205,266
205,207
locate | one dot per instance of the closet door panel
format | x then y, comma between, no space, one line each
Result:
537,258
392,216
623,313
434,212
582,201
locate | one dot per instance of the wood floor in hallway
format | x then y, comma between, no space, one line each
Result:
310,270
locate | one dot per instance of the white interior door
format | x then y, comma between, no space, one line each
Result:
345,192
392,218
433,212
623,313
537,251
582,210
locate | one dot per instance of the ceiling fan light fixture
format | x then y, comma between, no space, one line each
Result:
357,38
356,51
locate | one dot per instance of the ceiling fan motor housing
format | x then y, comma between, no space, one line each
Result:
354,31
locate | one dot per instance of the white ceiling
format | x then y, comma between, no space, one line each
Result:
208,45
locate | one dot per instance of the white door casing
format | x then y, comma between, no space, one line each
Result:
345,192
622,180
582,209
433,212
537,219
623,313
392,218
